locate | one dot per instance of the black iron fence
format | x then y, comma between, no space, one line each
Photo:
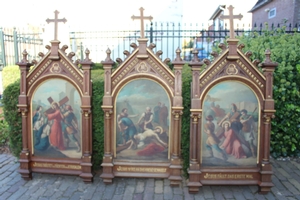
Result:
13,42
166,36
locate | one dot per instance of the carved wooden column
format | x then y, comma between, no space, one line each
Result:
175,174
23,107
87,120
196,112
268,113
107,107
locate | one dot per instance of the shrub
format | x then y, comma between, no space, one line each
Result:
10,74
13,117
285,49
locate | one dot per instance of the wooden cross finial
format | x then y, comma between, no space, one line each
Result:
142,17
56,20
231,17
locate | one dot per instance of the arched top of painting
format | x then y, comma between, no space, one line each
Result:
221,96
54,80
142,78
235,80
58,90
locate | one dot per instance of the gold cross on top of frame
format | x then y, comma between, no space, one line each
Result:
56,20
231,17
142,18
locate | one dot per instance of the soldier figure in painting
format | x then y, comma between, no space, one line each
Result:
126,126
70,127
145,121
247,129
212,141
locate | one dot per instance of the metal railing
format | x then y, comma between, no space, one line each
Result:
13,42
166,36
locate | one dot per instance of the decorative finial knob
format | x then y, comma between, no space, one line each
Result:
24,60
178,58
87,54
195,57
108,52
268,55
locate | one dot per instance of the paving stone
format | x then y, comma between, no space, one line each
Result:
76,196
14,167
177,197
148,196
140,187
207,192
168,193
97,195
5,195
295,183
137,196
158,186
16,195
89,192
117,197
150,182
290,187
128,196
158,196
71,189
187,195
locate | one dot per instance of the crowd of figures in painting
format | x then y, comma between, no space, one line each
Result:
230,126
56,120
142,122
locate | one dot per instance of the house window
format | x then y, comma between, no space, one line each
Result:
272,13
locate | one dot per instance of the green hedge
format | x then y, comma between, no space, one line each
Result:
285,49
13,117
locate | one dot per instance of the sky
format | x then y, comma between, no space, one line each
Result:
92,15
110,14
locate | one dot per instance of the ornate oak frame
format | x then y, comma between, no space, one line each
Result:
142,63
55,64
232,65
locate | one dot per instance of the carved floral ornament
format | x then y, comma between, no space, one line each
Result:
195,117
177,114
55,68
267,118
231,69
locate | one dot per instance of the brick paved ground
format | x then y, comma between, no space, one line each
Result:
286,179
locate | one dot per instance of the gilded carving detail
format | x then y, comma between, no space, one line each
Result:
55,68
128,68
142,67
195,118
231,69
249,73
161,72
213,73
40,71
267,118
177,114
72,72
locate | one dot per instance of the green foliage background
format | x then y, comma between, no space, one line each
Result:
13,117
285,49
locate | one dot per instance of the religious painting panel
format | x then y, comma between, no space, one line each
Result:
230,126
56,120
142,122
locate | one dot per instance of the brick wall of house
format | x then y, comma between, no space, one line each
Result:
285,9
